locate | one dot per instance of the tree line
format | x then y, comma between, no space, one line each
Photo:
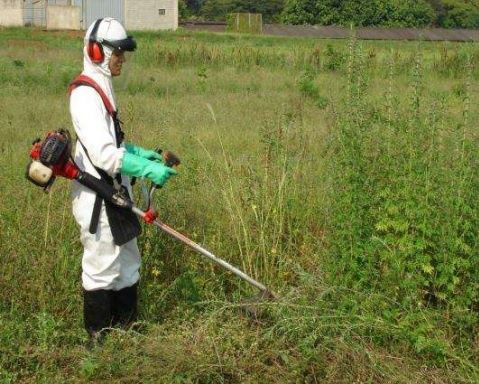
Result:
390,13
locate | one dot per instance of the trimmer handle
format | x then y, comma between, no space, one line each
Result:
170,160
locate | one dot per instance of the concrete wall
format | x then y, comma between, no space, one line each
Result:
11,12
63,17
146,14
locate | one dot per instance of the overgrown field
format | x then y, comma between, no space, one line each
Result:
342,174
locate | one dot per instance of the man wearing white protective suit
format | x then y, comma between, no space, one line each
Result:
111,259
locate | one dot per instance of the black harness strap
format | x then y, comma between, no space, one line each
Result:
95,215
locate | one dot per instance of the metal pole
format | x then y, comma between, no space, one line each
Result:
83,15
45,14
177,235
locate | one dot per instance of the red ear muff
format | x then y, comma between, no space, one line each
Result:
95,52
94,48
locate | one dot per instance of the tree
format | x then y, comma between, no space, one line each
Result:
268,9
405,13
218,9
410,13
460,14
300,12
438,7
194,5
183,10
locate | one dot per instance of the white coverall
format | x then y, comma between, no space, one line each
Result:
104,264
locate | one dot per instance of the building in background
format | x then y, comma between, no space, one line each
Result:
11,12
79,14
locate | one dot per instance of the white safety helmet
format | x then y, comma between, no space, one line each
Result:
106,33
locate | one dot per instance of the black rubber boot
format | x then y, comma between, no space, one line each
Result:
97,315
124,306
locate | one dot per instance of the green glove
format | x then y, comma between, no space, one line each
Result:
138,166
142,152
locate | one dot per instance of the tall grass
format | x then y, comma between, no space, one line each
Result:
405,206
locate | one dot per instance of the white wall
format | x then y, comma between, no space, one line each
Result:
144,14
11,12
63,17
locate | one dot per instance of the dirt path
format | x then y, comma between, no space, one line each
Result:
332,32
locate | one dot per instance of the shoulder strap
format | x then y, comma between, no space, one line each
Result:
88,81
85,80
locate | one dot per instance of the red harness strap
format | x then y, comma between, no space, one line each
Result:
85,80
124,224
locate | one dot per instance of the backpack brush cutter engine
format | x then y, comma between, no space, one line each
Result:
51,158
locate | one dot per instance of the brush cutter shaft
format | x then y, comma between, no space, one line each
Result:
177,235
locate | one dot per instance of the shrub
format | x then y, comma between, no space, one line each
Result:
405,203
407,13
299,12
219,9
459,14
